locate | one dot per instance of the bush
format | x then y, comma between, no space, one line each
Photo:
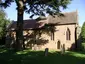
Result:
83,46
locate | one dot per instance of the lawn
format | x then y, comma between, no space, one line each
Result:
37,57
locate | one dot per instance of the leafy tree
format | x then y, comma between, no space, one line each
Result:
83,32
3,23
2,14
83,37
33,7
2,17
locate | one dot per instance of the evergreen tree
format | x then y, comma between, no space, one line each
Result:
83,32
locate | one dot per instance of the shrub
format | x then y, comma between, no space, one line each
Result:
83,46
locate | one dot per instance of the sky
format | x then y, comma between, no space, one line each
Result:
78,5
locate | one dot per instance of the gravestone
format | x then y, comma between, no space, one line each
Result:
63,49
35,47
46,51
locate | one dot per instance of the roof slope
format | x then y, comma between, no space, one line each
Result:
70,17
28,24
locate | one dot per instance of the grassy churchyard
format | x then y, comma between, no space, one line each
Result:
37,57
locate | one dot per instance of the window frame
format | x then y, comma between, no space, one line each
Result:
68,34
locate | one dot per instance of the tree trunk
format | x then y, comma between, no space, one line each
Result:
19,29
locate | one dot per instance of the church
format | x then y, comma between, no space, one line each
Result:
62,31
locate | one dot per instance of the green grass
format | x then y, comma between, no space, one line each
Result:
37,57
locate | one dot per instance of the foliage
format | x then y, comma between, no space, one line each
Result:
2,14
83,32
3,23
39,7
83,46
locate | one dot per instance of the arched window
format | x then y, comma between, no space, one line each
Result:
68,33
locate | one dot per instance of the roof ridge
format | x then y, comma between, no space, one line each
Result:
70,12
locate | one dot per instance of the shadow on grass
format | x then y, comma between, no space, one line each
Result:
37,57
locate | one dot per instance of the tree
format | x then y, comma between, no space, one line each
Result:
33,7
83,37
3,23
83,32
